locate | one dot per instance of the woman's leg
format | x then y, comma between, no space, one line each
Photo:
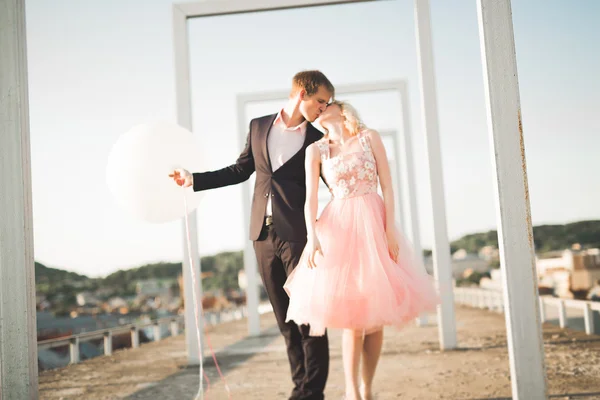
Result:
352,344
371,351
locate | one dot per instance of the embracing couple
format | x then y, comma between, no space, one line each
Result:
351,269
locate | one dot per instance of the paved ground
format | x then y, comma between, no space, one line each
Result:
412,367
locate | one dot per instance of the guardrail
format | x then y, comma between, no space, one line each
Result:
175,324
493,300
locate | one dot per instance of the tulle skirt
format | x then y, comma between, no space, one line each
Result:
356,284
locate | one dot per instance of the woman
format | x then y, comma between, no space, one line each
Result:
357,272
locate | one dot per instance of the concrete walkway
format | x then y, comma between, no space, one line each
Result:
412,367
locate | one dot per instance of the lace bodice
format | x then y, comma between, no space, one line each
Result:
350,174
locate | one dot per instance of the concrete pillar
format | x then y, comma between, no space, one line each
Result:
156,332
135,338
588,318
174,328
74,350
442,266
108,343
193,329
515,234
18,333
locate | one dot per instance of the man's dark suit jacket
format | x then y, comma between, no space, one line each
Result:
287,185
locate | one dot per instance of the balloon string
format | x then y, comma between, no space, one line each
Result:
198,314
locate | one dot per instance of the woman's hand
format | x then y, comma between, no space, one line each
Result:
314,246
392,241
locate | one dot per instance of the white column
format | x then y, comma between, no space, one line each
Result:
441,250
174,328
588,318
400,190
156,332
542,310
252,293
250,263
108,343
135,337
562,314
74,350
515,235
408,178
18,332
184,118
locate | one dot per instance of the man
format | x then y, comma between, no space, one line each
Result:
275,149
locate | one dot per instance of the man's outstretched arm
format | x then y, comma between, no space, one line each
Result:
231,175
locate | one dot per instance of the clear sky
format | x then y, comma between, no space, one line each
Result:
97,68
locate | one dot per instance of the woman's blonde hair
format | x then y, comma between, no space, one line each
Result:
352,120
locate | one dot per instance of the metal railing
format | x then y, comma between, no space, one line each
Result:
175,324
493,300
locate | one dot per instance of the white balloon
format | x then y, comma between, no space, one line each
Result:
138,171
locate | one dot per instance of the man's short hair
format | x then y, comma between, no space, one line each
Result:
311,81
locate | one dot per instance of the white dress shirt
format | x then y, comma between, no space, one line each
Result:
283,142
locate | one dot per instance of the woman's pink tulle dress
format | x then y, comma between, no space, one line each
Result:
356,284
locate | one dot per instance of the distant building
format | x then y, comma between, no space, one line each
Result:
462,261
86,299
154,293
41,302
152,287
569,271
116,304
494,282
489,253
104,292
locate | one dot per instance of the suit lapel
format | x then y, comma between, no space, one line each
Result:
264,128
312,134
265,124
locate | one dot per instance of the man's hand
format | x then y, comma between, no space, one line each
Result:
182,177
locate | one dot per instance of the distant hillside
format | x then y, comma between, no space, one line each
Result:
148,271
226,262
123,282
51,281
45,274
61,287
546,237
